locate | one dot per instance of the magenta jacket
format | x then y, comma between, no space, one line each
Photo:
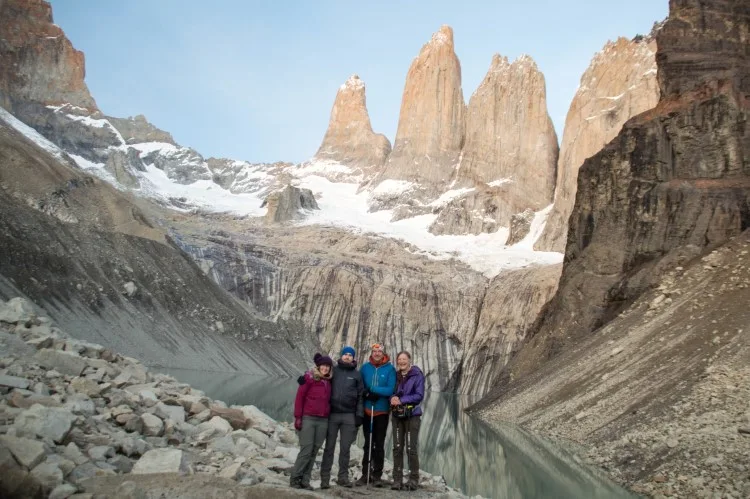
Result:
313,397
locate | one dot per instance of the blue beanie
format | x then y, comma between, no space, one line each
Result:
349,350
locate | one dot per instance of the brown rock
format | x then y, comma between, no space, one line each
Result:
288,204
37,61
431,122
619,83
520,224
510,136
235,417
349,138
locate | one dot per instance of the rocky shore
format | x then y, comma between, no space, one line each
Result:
78,420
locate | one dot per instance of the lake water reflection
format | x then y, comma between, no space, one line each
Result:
477,459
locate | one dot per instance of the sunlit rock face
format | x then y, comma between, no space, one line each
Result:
510,138
349,138
619,83
37,61
431,123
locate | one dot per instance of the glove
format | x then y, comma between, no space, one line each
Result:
301,380
372,397
298,424
357,421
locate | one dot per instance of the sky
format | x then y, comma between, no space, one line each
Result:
256,80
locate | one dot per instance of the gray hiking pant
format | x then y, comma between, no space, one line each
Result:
311,438
344,424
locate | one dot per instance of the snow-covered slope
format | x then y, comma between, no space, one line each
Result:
180,178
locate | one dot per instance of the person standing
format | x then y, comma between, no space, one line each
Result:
347,411
311,410
379,378
407,416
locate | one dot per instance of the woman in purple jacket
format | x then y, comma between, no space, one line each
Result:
407,416
311,409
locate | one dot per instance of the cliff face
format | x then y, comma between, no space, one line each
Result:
619,83
509,135
37,61
347,289
349,138
675,180
431,122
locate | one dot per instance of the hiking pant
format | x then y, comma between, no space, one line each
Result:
406,429
379,429
311,438
344,424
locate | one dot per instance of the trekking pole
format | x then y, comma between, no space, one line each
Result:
369,457
408,447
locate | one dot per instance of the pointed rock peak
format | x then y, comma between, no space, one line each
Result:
443,36
353,83
349,138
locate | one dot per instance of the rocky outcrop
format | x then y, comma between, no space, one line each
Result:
37,61
349,138
138,129
619,83
122,165
675,180
288,204
520,224
510,137
484,209
431,122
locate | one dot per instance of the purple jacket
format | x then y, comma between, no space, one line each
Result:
313,398
410,389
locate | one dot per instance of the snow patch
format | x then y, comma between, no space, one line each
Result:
499,182
392,187
449,196
32,134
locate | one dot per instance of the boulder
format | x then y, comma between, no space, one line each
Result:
161,461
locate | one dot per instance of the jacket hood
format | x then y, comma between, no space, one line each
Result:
386,360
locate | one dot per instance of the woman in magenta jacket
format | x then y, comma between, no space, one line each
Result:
311,409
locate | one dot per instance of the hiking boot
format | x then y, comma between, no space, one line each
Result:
325,484
306,486
397,486
377,482
411,485
362,481
295,484
345,482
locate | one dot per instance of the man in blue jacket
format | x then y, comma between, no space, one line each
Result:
379,378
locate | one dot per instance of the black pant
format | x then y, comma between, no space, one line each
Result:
406,430
379,428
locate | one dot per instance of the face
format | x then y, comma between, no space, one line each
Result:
377,355
324,369
347,357
403,362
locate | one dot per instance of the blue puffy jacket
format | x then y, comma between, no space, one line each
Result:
380,380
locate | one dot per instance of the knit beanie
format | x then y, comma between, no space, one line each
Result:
348,350
322,360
